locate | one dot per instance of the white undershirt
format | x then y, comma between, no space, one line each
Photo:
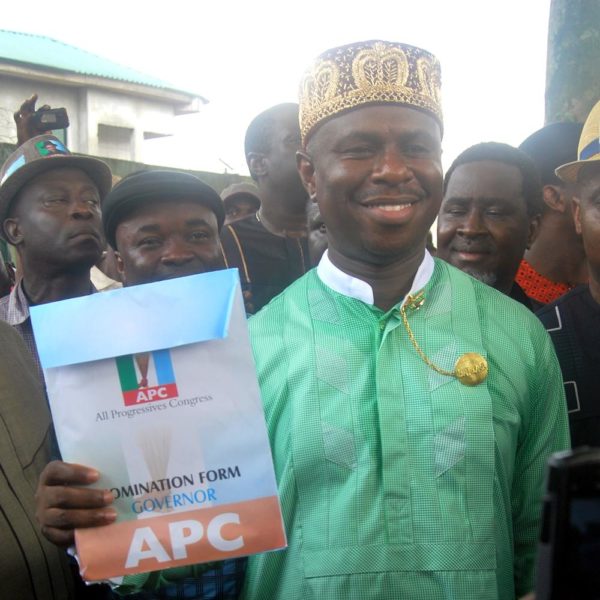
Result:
356,288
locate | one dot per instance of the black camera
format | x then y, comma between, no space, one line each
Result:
49,119
569,550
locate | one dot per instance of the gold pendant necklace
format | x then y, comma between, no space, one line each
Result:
470,368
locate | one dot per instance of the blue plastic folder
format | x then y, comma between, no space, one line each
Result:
165,314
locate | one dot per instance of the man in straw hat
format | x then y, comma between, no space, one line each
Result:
573,320
411,408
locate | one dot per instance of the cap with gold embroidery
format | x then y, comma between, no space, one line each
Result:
372,72
588,150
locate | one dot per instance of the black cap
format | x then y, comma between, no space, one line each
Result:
552,146
134,190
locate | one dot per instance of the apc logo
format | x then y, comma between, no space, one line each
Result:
146,377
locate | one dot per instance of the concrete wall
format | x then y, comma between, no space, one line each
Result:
14,91
116,110
88,108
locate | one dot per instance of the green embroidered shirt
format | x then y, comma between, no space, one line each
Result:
396,481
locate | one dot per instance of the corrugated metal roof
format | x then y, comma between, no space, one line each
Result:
52,54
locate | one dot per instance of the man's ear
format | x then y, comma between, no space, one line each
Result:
120,266
306,170
576,204
554,198
534,228
257,164
12,231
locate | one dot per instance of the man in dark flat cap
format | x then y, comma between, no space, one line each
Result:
162,225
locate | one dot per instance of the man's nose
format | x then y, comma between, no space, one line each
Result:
392,167
176,252
472,224
84,209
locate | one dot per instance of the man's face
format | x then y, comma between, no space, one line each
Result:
317,234
239,207
483,225
165,239
587,217
281,156
377,176
56,219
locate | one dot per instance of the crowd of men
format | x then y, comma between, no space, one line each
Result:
412,402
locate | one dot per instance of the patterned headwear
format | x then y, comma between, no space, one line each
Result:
38,155
588,150
373,72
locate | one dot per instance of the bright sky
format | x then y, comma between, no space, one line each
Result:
245,56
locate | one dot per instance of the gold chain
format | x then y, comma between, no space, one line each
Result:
415,302
470,368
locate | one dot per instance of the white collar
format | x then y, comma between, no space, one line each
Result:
356,288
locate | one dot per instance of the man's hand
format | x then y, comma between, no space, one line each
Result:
26,128
62,506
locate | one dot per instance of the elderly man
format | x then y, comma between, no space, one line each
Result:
555,262
269,247
50,211
162,224
574,318
411,408
489,213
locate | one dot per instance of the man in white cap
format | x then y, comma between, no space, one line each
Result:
573,320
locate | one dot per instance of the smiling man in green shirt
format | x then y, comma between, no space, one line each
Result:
411,408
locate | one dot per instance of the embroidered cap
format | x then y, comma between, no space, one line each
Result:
588,150
38,155
372,72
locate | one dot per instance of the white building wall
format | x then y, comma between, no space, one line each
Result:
129,113
14,91
88,108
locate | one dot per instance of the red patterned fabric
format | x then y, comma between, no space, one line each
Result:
537,286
